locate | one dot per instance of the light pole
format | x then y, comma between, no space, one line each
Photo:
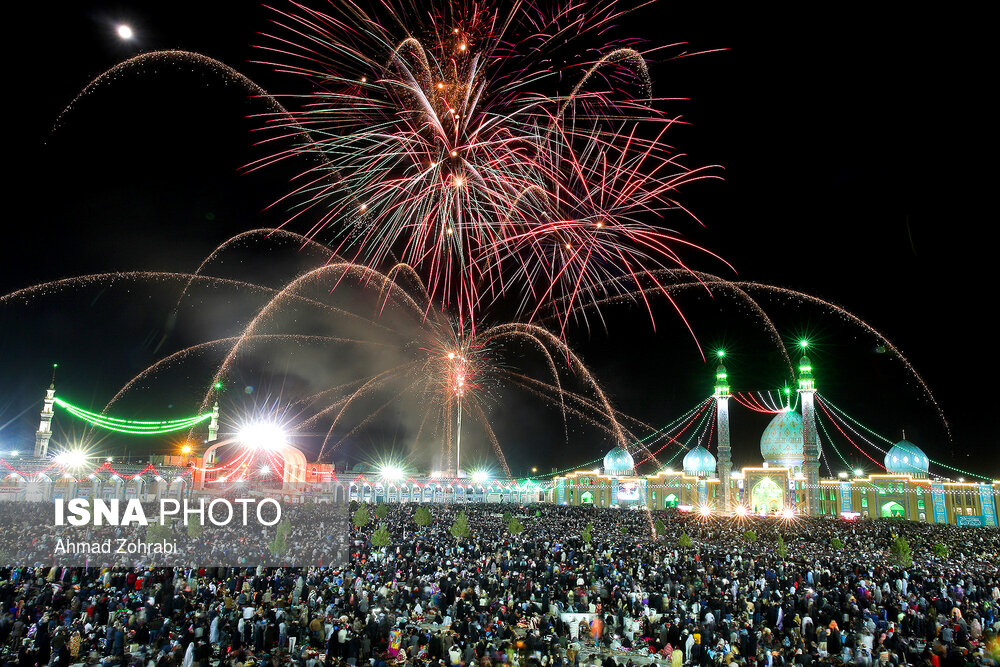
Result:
458,386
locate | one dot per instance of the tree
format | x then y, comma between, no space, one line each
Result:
685,541
624,529
750,536
659,528
837,544
780,548
381,511
940,550
361,517
899,552
460,528
507,516
194,529
380,538
422,517
514,526
588,533
158,532
279,544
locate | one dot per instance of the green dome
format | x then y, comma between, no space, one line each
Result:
699,462
781,444
905,458
618,462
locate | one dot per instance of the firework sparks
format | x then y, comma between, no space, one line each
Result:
452,145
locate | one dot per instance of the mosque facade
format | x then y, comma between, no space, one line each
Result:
787,482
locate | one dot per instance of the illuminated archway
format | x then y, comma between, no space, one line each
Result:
587,498
671,501
766,496
892,508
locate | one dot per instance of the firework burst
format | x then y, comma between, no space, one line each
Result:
493,151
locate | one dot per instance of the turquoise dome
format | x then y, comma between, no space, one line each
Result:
781,444
618,462
905,458
699,462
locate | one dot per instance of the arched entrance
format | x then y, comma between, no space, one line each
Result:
892,508
587,498
766,496
671,501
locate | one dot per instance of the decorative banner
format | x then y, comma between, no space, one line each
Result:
846,501
703,492
937,498
561,491
968,520
988,504
395,642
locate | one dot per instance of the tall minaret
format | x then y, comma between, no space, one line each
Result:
213,426
213,430
44,431
810,437
722,425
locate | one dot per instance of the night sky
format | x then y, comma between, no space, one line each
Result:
854,142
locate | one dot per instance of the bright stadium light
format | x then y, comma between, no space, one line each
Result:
705,510
788,513
741,510
859,473
480,476
71,458
263,435
391,472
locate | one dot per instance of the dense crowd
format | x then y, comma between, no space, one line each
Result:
578,585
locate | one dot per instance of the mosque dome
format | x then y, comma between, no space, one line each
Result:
618,462
781,444
905,458
699,462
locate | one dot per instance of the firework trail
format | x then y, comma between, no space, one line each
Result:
741,289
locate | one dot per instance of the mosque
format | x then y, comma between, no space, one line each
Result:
787,483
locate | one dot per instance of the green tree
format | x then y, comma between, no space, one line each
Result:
507,516
422,517
836,543
380,538
588,533
780,548
460,527
899,552
940,550
750,536
194,529
685,541
514,526
362,517
381,511
158,532
279,544
659,528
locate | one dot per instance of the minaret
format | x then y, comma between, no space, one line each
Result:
213,430
44,431
722,425
810,437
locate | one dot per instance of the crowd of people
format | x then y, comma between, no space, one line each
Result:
575,585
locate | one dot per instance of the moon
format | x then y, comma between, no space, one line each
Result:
124,31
